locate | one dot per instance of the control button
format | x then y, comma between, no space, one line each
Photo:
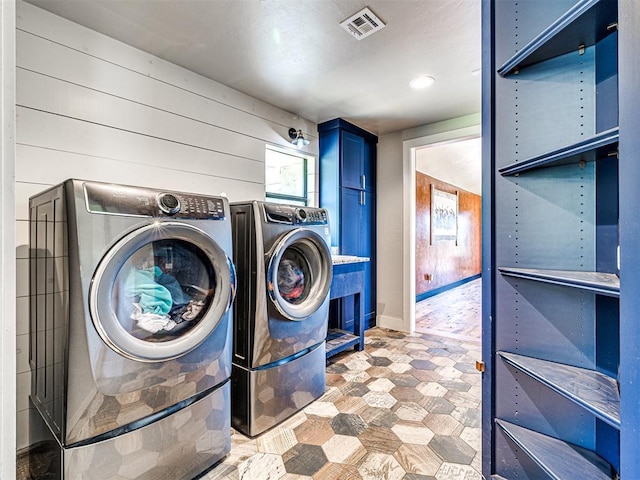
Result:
301,214
168,203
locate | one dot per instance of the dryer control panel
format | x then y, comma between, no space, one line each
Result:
288,214
109,199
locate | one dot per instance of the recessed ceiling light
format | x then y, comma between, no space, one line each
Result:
422,82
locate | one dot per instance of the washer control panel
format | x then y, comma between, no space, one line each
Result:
288,214
110,199
168,203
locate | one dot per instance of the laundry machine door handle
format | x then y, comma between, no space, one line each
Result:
233,284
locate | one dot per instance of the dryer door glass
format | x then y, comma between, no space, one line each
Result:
299,273
161,291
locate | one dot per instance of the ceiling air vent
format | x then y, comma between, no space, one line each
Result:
362,24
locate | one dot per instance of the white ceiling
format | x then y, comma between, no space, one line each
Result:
458,163
295,55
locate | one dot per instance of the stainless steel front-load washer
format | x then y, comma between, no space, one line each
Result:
280,319
131,292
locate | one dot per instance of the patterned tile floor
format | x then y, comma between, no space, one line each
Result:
405,408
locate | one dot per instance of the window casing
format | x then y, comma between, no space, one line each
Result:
288,176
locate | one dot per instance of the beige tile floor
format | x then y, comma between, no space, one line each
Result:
406,408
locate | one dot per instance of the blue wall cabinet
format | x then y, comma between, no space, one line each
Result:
347,190
561,313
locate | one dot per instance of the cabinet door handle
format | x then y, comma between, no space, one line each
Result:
363,181
363,198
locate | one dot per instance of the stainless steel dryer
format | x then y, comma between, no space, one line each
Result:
280,318
131,294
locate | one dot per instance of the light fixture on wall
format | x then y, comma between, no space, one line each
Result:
297,138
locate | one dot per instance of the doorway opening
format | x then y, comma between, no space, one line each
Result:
410,153
448,230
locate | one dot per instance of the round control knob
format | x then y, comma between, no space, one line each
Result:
168,203
301,214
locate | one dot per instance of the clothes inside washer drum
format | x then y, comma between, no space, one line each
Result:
175,290
290,280
153,297
151,322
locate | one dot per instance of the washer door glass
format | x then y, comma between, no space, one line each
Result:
294,276
299,273
160,291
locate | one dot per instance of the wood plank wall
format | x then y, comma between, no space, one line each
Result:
445,261
93,108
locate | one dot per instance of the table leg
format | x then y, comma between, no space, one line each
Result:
358,320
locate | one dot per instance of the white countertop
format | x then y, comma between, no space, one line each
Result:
340,259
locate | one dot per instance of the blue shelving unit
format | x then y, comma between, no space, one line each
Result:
556,200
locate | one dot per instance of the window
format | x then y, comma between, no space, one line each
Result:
287,177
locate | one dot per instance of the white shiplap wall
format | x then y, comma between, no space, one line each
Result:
90,107
7,241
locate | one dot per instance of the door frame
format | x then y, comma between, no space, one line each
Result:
409,148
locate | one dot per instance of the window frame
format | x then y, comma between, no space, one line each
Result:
282,197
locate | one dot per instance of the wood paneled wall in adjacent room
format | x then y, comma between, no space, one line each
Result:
446,262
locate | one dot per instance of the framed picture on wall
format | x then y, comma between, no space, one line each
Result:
444,215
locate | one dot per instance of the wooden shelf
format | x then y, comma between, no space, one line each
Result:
339,341
602,283
558,459
584,24
591,149
592,390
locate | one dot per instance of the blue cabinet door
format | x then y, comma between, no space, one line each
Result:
358,211
352,161
351,215
358,162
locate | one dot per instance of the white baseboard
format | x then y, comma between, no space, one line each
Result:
392,323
